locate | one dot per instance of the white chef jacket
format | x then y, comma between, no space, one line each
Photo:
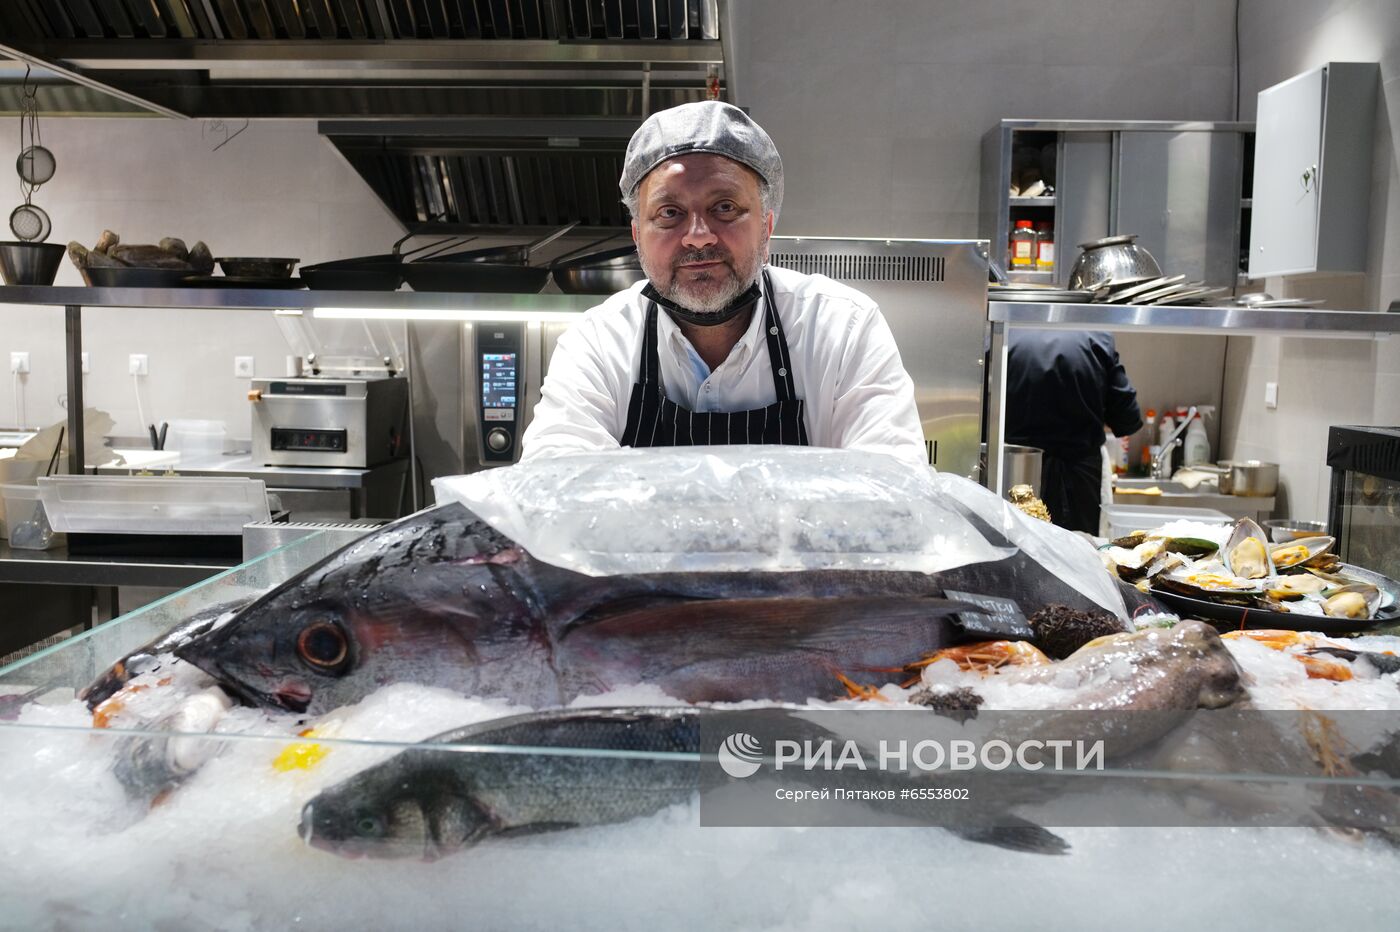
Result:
846,366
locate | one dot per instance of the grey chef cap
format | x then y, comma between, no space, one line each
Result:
703,126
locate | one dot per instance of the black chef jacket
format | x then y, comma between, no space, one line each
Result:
1062,387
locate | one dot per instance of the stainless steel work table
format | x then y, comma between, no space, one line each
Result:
1130,318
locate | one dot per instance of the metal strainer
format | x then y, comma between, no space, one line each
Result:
30,223
35,165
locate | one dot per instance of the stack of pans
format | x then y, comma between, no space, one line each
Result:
606,272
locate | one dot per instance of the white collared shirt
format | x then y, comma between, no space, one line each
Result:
844,360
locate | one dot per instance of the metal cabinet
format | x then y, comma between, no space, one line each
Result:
1312,171
1179,186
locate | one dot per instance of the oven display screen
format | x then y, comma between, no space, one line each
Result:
315,441
498,386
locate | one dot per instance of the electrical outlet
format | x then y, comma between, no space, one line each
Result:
138,364
19,362
243,367
86,364
1271,395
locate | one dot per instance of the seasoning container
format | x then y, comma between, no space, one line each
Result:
1023,242
1045,247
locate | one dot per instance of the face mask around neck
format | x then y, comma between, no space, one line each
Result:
738,306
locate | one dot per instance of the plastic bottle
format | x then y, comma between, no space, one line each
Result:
1023,246
1197,443
1165,427
1148,434
1045,247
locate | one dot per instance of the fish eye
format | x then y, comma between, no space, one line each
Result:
323,645
369,825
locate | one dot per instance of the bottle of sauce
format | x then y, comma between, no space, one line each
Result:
1045,247
1023,246
1149,438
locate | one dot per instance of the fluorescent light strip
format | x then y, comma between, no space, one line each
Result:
397,313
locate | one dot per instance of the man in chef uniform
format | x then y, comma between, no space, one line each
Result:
717,347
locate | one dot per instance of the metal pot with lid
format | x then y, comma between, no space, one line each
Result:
1249,478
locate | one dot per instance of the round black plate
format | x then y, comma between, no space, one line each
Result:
1233,617
241,281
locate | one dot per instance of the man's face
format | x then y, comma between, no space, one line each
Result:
701,230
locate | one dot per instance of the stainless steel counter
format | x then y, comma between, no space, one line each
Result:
1122,318
1205,321
262,299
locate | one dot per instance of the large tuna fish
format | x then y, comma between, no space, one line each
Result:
442,599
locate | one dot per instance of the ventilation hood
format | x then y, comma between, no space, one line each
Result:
390,59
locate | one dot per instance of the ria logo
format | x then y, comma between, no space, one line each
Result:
740,755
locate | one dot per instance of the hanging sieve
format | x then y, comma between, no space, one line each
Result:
30,223
35,165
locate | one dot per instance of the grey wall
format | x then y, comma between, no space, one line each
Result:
275,190
1321,383
878,107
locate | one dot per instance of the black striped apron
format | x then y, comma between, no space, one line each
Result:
655,421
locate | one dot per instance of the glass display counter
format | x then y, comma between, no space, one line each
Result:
174,825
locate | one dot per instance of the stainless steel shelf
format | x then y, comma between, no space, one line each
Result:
257,299
1047,200
1205,321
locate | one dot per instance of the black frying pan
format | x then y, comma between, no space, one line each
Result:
504,255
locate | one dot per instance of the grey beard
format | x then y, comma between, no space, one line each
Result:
707,301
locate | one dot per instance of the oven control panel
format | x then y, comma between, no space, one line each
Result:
500,389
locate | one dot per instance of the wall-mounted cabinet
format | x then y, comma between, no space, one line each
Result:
1182,187
1312,171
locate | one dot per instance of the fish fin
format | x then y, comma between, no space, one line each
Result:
533,828
1021,835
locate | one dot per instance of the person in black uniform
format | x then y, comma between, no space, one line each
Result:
1062,387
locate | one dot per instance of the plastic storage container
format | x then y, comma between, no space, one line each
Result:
196,440
153,504
26,523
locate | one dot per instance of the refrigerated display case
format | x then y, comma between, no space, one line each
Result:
1364,506
229,842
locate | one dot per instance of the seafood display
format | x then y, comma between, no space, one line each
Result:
442,599
1300,579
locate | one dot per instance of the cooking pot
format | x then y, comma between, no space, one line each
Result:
1111,259
1249,478
1020,465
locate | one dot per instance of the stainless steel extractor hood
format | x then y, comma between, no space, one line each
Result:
376,58
491,175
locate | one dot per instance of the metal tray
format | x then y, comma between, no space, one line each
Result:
1038,295
1233,617
242,281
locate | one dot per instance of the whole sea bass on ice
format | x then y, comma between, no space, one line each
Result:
442,599
427,802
